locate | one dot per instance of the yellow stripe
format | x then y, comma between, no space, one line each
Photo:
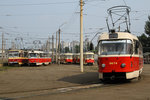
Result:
18,58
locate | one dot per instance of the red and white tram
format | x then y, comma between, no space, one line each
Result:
34,58
88,58
38,58
46,58
119,56
18,57
66,58
78,58
74,58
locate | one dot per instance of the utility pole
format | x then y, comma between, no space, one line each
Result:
49,46
2,48
81,35
52,48
59,48
56,47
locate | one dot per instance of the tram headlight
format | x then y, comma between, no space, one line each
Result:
123,65
103,65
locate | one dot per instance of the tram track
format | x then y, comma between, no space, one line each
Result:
43,92
52,91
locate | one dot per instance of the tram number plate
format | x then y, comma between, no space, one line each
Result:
113,35
113,63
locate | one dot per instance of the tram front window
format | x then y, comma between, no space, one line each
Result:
69,57
90,56
32,55
13,54
10,55
115,47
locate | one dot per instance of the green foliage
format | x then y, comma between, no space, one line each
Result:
77,49
4,68
145,41
67,50
147,26
91,46
96,50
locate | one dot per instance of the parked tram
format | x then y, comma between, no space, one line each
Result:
78,58
119,56
88,58
46,58
17,57
39,58
34,58
74,58
66,58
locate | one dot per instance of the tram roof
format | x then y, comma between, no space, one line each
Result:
35,52
121,35
68,54
88,53
17,51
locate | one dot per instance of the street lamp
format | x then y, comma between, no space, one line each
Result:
59,30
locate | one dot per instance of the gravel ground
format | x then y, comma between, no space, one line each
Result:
38,83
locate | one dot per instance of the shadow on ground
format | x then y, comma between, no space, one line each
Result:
92,78
85,78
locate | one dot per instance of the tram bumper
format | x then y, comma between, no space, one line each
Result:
119,75
113,75
131,75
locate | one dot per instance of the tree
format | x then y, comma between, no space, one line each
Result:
67,50
77,49
91,46
96,49
147,26
145,41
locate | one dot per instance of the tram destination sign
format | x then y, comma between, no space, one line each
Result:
113,35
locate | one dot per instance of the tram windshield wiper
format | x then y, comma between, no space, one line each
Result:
120,51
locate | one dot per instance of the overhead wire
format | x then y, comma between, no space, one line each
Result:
69,24
37,4
125,2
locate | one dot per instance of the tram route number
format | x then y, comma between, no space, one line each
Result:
113,63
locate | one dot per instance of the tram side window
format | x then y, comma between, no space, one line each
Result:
41,55
25,54
136,46
98,48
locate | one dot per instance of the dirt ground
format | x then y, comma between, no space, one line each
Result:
66,82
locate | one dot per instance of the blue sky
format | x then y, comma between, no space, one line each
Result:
36,19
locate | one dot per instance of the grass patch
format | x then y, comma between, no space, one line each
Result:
4,68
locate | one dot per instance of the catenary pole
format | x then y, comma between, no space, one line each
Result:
2,48
81,35
52,48
59,47
56,47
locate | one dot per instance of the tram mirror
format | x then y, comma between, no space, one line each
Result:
137,44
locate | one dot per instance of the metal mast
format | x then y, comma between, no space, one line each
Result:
56,47
81,35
